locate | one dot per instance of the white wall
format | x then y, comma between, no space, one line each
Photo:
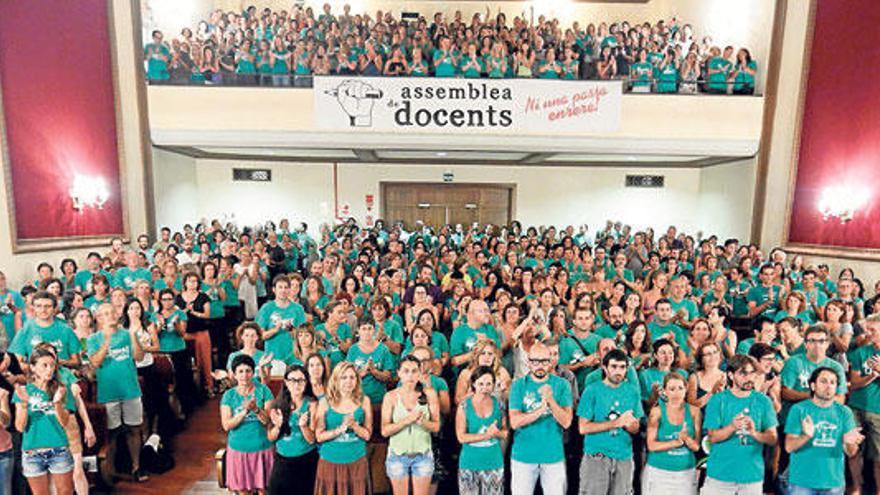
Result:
726,194
544,195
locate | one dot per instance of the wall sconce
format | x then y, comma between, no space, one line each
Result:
841,202
88,192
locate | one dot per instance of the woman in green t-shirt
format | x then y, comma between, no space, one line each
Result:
343,425
673,437
292,430
481,427
244,413
40,414
745,72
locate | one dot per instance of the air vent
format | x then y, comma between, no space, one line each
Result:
252,174
645,180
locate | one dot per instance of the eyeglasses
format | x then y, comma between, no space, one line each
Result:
168,299
296,381
539,361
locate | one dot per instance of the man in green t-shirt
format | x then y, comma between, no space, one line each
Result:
45,327
864,362
609,414
540,410
818,432
740,422
113,351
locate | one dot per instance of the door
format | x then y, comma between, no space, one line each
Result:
437,204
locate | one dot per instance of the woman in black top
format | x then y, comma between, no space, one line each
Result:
197,306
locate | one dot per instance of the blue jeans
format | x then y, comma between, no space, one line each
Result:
800,490
7,462
35,463
403,466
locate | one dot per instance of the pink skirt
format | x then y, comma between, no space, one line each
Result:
248,471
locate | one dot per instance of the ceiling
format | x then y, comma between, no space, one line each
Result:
447,157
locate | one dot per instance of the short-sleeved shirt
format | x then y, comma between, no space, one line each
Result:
796,376
601,402
43,430
117,376
58,334
332,345
169,339
382,360
272,315
760,294
126,278
818,464
739,459
250,435
573,350
541,441
866,398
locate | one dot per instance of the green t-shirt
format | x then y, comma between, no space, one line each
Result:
796,376
58,334
332,344
743,79
760,294
677,459
169,339
818,464
658,331
866,398
250,435
601,402
472,70
382,361
347,447
739,459
572,353
7,315
43,430
295,444
541,441
689,306
444,65
718,81
641,72
484,455
289,317
83,280
648,377
667,81
126,278
464,338
117,376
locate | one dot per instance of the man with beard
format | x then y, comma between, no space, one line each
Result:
739,422
818,432
615,327
540,409
663,326
608,414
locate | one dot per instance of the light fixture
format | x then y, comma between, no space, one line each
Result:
842,202
88,192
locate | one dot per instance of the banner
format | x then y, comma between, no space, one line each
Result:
492,106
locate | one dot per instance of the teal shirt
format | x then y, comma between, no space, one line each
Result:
760,294
641,73
601,402
679,458
866,398
126,278
157,68
57,333
818,464
7,315
541,441
83,280
295,444
571,351
382,360
689,306
471,71
667,81
347,447
484,455
648,377
796,376
250,435
270,316
464,338
743,79
43,430
739,459
718,81
169,339
117,377
332,344
657,331
445,66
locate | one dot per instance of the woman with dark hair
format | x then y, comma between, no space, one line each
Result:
744,73
637,344
244,413
481,426
40,415
410,414
292,429
197,307
68,273
319,374
171,324
155,392
663,362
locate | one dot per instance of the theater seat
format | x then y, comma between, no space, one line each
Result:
220,463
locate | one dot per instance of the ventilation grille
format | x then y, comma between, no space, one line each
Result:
645,180
252,174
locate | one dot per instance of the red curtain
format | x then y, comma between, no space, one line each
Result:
56,74
840,134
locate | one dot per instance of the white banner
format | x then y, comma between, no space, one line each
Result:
418,104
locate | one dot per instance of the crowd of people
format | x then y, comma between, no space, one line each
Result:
482,360
265,47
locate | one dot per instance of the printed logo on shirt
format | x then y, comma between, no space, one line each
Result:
824,436
39,404
804,379
119,354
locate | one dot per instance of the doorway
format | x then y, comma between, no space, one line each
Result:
438,204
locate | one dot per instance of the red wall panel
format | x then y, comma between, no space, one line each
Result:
840,133
59,109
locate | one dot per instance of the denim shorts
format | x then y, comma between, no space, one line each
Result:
415,465
38,462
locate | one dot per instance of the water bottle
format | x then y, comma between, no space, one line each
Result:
742,432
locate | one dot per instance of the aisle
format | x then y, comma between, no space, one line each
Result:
194,470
